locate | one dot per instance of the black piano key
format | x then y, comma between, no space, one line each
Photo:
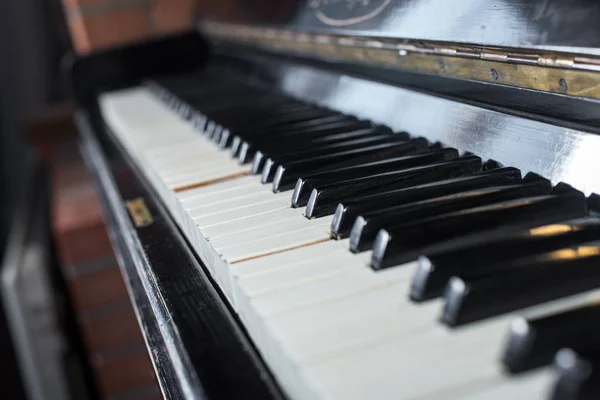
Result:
350,208
216,133
436,267
532,176
313,139
397,246
563,188
491,165
261,138
288,173
513,284
292,141
239,113
276,122
593,202
314,154
297,142
305,184
578,375
367,226
324,200
234,118
292,119
533,343
248,121
269,140
225,139
308,124
236,143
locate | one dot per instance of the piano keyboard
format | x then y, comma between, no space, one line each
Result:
366,263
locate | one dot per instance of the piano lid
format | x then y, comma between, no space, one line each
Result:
547,46
569,25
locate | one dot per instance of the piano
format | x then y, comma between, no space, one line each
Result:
358,199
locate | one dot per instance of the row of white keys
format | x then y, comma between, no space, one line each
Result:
261,202
148,139
222,210
292,282
245,220
190,159
432,359
218,190
363,318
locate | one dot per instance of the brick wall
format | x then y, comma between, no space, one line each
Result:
98,24
112,337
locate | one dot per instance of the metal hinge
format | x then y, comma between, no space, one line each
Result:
284,38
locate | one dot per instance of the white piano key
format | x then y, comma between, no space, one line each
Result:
171,152
388,365
197,195
284,242
228,215
206,199
453,358
225,204
528,386
348,323
296,274
205,178
201,165
257,266
261,265
322,290
279,216
226,242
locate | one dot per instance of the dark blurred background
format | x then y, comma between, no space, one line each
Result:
33,39
78,321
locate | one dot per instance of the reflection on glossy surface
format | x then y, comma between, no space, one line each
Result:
571,254
558,153
554,229
346,13
514,23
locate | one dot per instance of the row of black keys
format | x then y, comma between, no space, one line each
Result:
512,242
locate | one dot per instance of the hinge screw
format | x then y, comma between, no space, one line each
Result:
563,84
